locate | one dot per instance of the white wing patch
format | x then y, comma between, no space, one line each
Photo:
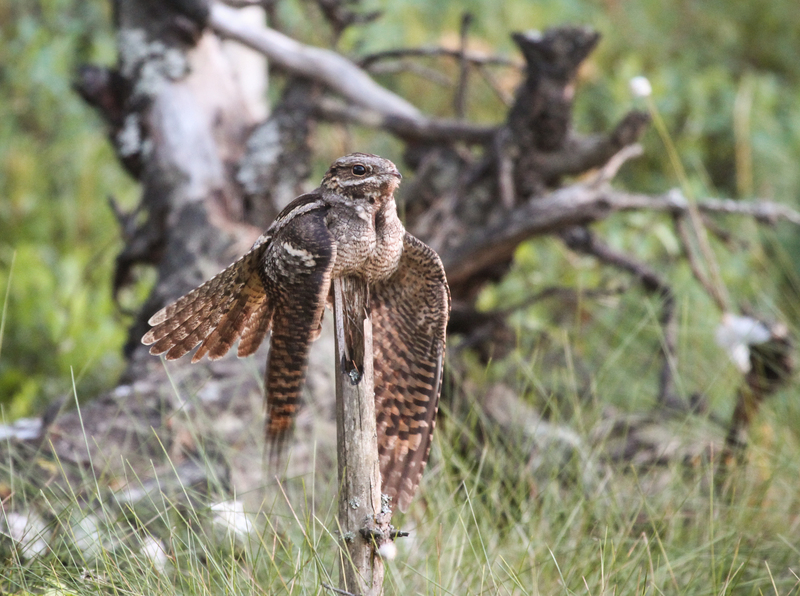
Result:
300,253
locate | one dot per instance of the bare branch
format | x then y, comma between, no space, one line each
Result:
580,204
580,239
337,590
246,3
764,211
425,72
505,169
476,58
506,98
340,15
583,152
577,204
694,264
610,170
409,128
326,66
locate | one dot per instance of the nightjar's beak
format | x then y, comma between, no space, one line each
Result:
397,174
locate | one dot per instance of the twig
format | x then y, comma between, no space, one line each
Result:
246,3
674,201
463,68
694,263
580,153
724,235
582,240
337,590
716,283
506,99
340,16
609,171
556,292
475,58
429,74
505,168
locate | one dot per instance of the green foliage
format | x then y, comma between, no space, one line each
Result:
488,521
56,170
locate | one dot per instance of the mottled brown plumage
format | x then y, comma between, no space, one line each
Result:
346,227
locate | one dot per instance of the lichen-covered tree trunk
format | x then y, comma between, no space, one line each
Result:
179,117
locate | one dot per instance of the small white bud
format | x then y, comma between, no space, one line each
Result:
641,87
736,334
28,531
230,517
155,552
387,551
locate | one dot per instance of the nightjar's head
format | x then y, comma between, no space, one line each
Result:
363,176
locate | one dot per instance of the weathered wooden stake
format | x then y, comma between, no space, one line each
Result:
363,522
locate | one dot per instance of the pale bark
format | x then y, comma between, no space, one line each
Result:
320,64
360,510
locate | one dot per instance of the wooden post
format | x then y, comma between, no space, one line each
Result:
363,522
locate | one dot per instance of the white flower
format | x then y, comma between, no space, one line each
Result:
230,517
155,552
641,87
86,532
736,334
24,429
387,551
28,530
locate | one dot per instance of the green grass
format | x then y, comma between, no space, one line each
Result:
487,521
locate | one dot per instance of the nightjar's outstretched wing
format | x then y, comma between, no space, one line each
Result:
409,315
234,302
281,283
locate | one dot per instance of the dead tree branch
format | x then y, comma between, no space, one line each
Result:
326,66
584,152
581,204
430,130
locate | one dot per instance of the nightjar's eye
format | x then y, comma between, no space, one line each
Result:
359,170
